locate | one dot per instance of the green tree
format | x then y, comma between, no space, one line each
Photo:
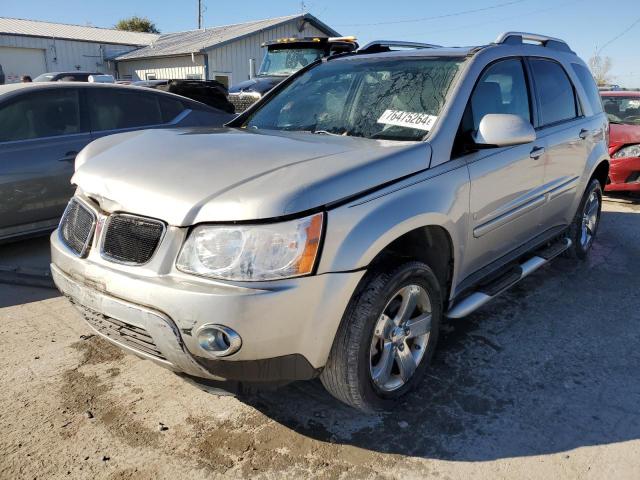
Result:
137,24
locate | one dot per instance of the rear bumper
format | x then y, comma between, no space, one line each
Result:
623,174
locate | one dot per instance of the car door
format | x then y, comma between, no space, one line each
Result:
568,136
120,109
40,134
505,183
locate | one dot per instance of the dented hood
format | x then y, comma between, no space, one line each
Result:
191,176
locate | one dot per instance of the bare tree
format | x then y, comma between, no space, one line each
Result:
601,69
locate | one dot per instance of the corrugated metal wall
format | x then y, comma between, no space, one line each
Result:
233,58
163,68
69,55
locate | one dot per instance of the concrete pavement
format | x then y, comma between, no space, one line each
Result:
543,383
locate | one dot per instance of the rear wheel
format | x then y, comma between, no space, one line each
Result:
585,225
386,339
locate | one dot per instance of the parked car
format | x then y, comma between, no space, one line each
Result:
150,83
101,79
65,76
330,229
44,125
623,110
209,92
284,57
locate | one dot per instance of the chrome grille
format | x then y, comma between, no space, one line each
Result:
242,101
130,239
77,227
121,332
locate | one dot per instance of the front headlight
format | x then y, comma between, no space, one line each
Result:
628,151
253,252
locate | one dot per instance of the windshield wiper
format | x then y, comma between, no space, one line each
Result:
387,136
326,132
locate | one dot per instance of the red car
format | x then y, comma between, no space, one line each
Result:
623,110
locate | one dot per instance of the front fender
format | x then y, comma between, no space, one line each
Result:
357,232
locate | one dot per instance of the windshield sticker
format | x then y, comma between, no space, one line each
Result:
419,121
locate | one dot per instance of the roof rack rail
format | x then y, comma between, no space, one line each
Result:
378,46
517,38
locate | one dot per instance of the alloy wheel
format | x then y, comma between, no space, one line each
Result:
590,218
400,338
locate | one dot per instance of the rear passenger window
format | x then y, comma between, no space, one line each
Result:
589,85
555,91
41,114
113,108
170,108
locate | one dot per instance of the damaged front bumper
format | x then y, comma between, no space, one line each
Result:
287,327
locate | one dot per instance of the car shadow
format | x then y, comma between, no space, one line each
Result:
550,366
11,295
624,197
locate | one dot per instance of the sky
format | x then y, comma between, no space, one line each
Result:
587,25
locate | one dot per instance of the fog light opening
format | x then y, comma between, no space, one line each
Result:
218,340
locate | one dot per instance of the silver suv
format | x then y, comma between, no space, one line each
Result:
332,226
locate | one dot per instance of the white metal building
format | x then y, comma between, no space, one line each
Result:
219,53
31,47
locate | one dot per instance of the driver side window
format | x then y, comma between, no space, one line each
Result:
502,88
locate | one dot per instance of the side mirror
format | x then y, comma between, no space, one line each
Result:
503,130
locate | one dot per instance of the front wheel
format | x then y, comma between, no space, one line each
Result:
585,225
387,338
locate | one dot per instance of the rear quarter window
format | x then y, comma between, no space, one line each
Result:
170,108
589,85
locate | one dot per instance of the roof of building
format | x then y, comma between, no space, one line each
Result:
194,41
37,28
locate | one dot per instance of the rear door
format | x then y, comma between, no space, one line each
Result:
505,196
40,134
569,137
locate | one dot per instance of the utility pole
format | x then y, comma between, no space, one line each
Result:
199,14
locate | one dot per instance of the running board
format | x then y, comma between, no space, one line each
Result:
479,298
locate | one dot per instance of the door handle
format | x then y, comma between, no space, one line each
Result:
69,157
584,133
537,152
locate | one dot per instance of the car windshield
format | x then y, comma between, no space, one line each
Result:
625,110
394,99
285,61
45,77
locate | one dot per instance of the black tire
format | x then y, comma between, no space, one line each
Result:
347,374
578,250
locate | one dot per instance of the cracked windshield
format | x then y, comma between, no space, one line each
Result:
377,99
625,110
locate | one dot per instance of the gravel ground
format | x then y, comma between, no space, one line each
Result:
542,383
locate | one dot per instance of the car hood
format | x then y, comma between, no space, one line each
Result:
259,84
623,135
189,176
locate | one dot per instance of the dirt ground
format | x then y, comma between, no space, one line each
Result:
543,383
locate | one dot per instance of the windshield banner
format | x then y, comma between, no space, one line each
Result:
419,121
